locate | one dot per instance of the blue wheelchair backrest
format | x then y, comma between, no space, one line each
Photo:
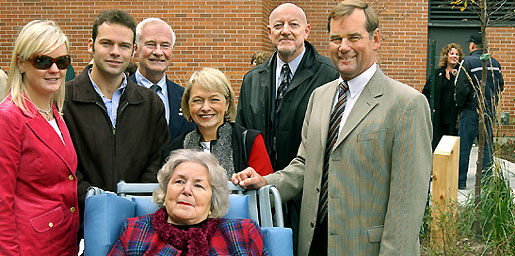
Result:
105,213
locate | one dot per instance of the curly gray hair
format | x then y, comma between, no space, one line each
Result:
216,174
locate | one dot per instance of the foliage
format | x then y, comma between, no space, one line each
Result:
496,11
497,220
498,212
507,151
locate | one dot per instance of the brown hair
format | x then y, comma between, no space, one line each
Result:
445,50
346,7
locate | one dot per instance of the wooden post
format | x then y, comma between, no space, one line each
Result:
445,188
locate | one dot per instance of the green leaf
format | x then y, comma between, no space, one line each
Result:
485,56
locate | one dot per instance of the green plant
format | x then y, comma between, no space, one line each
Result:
455,223
498,212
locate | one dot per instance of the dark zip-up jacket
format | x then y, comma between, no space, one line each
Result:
130,151
466,94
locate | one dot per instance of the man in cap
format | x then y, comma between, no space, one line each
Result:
469,98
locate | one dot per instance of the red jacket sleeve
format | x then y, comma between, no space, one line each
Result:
258,158
10,153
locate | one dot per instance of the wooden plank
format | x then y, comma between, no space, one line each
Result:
445,188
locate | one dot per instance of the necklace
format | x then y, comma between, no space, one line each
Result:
45,111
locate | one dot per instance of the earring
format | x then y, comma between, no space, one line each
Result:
209,213
190,119
226,116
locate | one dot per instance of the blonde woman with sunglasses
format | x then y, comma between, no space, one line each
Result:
38,186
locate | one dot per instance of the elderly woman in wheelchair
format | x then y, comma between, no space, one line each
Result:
193,196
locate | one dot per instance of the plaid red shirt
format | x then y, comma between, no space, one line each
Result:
233,237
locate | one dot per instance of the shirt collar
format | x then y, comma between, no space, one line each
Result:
294,64
357,84
97,89
143,81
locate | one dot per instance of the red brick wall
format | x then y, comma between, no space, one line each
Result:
500,41
225,33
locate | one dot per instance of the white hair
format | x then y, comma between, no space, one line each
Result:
150,20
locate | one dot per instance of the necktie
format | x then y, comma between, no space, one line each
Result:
155,88
283,87
332,136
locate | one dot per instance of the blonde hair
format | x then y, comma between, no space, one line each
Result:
37,37
216,174
212,80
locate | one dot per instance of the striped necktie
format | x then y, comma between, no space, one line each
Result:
332,136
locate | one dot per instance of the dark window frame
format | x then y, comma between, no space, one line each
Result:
442,13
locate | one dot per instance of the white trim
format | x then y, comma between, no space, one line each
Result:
488,68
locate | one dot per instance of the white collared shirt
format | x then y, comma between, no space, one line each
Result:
294,65
163,93
356,86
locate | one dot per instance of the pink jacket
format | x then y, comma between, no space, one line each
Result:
38,187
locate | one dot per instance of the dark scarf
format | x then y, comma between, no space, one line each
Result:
191,240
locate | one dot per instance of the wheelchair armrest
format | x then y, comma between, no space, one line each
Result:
278,241
122,187
265,210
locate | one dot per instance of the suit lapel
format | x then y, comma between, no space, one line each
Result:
45,132
299,78
327,98
366,102
306,73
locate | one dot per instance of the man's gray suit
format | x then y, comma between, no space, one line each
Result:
378,171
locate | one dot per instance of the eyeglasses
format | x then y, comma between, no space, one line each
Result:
45,62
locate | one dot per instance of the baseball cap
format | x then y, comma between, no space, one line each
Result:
476,38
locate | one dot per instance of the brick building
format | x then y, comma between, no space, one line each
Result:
225,33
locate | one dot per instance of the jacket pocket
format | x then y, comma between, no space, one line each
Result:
47,221
373,135
375,233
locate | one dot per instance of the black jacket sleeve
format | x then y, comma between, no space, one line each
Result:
463,86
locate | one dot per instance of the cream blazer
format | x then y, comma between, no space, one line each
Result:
378,171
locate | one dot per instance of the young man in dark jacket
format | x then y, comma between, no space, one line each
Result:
468,99
118,128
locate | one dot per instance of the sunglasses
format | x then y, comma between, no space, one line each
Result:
45,62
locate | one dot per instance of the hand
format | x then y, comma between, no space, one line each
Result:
248,179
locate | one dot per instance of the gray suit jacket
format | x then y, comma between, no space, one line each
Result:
378,171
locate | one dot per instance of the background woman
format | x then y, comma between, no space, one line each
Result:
38,187
445,111
193,194
208,100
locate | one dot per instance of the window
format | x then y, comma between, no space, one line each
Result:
442,13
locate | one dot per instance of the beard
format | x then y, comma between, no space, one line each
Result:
285,52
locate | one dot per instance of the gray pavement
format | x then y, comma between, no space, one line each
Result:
508,169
